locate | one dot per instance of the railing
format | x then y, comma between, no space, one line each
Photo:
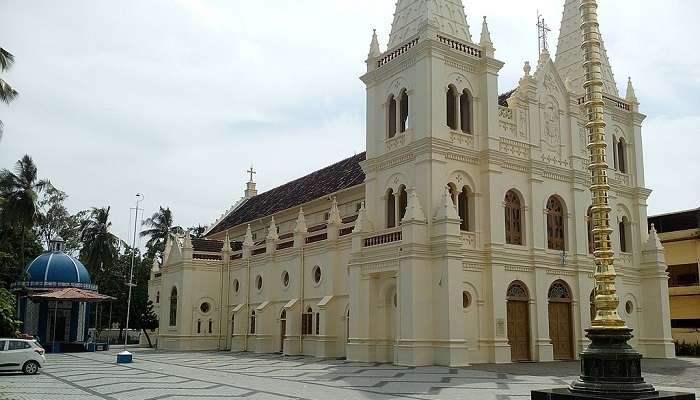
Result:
396,53
206,256
53,285
505,113
285,245
237,256
317,238
261,250
469,240
464,48
394,235
617,102
346,231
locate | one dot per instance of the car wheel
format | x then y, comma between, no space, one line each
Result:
30,367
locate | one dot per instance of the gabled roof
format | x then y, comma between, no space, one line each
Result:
676,221
339,176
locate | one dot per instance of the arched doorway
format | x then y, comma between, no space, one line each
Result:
283,329
560,322
518,312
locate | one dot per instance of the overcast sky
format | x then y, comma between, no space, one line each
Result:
177,98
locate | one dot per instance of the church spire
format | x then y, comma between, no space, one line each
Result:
374,51
569,58
485,42
446,16
631,96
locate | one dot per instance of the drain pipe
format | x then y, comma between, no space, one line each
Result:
301,302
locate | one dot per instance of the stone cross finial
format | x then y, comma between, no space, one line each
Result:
251,172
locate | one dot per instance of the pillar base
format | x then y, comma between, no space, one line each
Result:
610,370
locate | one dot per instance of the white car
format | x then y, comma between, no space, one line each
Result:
21,355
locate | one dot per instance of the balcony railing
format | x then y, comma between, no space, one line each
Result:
390,236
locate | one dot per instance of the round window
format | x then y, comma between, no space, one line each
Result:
629,307
317,274
236,286
258,282
205,307
285,279
466,300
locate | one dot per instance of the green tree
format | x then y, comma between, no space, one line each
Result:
11,268
100,246
8,324
19,191
148,321
197,231
160,229
53,219
7,93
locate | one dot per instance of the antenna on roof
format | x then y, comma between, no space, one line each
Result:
542,31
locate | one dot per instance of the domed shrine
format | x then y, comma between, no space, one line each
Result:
54,299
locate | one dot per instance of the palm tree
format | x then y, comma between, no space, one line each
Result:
7,93
100,246
19,193
161,228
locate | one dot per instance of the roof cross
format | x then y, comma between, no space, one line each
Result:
252,172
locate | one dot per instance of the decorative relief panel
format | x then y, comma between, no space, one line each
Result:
514,148
551,124
462,158
523,125
395,142
462,139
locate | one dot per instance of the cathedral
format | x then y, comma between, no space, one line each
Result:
462,235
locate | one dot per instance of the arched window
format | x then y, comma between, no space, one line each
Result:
465,112
157,297
403,111
589,226
463,208
555,224
210,325
622,228
452,108
453,192
391,117
621,156
390,209
514,228
318,323
233,324
199,326
173,307
252,323
403,202
614,151
559,291
517,291
307,322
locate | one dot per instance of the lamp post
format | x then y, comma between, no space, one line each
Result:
610,367
125,356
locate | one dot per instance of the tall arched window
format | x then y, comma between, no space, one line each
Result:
463,208
318,323
622,228
390,209
614,151
391,117
307,321
233,324
252,323
514,231
555,224
403,202
157,297
621,156
465,112
403,111
589,226
452,108
173,307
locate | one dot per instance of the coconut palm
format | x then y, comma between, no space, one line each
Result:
7,93
19,195
161,228
100,246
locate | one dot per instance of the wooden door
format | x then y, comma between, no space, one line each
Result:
283,332
519,330
560,330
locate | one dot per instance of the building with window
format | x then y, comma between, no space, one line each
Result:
680,235
461,235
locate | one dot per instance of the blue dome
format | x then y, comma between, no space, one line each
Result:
57,267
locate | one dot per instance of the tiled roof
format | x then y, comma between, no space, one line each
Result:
677,221
503,98
213,246
339,176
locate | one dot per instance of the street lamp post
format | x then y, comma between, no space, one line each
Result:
610,367
125,356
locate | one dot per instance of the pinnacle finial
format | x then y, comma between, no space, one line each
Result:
301,222
631,95
248,240
485,41
272,231
374,51
527,69
334,214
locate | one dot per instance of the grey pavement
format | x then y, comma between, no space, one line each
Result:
160,375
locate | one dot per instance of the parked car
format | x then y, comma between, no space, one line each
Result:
21,355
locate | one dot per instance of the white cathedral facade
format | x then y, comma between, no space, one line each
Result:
461,235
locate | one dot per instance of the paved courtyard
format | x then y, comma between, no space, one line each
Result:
205,375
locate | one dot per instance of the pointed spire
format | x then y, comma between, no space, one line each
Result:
227,244
527,68
447,209
248,240
272,235
445,16
569,57
631,95
414,210
653,242
334,215
301,223
485,42
187,243
156,265
374,51
362,224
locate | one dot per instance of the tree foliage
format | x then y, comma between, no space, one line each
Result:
53,219
100,246
160,229
7,93
8,324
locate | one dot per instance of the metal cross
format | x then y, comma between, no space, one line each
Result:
252,172
542,31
